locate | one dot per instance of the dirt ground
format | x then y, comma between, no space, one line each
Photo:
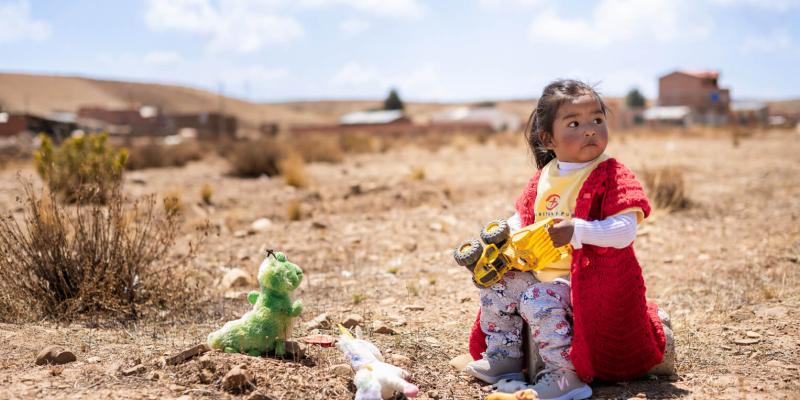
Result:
376,242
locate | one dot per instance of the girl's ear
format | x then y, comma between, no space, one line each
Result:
547,140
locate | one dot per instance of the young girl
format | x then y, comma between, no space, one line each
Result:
588,314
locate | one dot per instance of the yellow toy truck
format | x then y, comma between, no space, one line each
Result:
528,249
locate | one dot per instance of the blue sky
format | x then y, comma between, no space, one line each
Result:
273,50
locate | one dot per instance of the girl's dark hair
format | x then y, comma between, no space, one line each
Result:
543,116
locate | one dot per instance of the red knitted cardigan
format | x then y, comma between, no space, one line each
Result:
617,333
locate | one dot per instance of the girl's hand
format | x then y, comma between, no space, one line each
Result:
561,232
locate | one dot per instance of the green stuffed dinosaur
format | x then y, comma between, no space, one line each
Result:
266,326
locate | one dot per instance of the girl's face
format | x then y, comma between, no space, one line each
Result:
579,130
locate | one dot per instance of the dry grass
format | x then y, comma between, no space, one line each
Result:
666,187
206,191
254,159
159,155
294,210
60,262
319,148
360,142
293,170
173,205
417,173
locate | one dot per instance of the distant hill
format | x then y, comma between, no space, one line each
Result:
43,94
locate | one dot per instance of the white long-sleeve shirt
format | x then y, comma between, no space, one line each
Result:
617,231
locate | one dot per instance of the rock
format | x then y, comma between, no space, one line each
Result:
387,301
745,342
318,225
431,341
238,380
380,327
460,362
436,227
135,370
235,277
399,360
774,363
154,376
295,350
205,376
187,354
776,312
433,394
342,370
93,360
239,234
725,381
414,308
752,334
322,321
54,355
261,225
352,320
319,340
259,396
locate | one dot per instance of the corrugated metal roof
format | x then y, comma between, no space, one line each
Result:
748,106
671,112
371,117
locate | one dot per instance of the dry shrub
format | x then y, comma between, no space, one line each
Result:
293,170
360,142
251,159
173,205
294,210
155,155
88,259
205,193
666,187
318,148
82,167
417,173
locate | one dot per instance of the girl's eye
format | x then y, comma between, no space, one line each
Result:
598,121
573,124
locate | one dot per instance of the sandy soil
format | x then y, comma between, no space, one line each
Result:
377,243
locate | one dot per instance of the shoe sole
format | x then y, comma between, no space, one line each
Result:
583,392
513,376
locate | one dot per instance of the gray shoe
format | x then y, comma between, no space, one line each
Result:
667,365
561,384
491,371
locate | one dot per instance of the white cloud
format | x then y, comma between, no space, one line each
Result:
162,58
423,81
18,24
770,5
615,21
238,25
777,40
354,26
505,3
383,8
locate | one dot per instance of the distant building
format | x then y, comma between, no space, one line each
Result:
749,113
670,115
208,125
375,117
142,122
58,127
698,90
498,120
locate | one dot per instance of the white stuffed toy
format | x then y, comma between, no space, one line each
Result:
375,379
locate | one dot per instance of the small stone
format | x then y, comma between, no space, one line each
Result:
414,308
205,376
187,354
431,341
93,360
135,370
724,381
261,224
239,234
154,376
322,321
342,370
460,362
703,257
238,380
235,277
318,225
352,320
380,327
387,301
54,355
745,342
776,312
259,396
433,394
436,227
399,360
752,334
465,299
774,363
295,350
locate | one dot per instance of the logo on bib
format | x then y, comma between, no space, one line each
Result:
552,201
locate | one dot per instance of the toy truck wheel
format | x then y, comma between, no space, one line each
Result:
496,232
468,253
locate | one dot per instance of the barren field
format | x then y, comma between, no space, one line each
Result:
375,240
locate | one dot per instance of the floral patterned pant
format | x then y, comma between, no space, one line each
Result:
547,308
